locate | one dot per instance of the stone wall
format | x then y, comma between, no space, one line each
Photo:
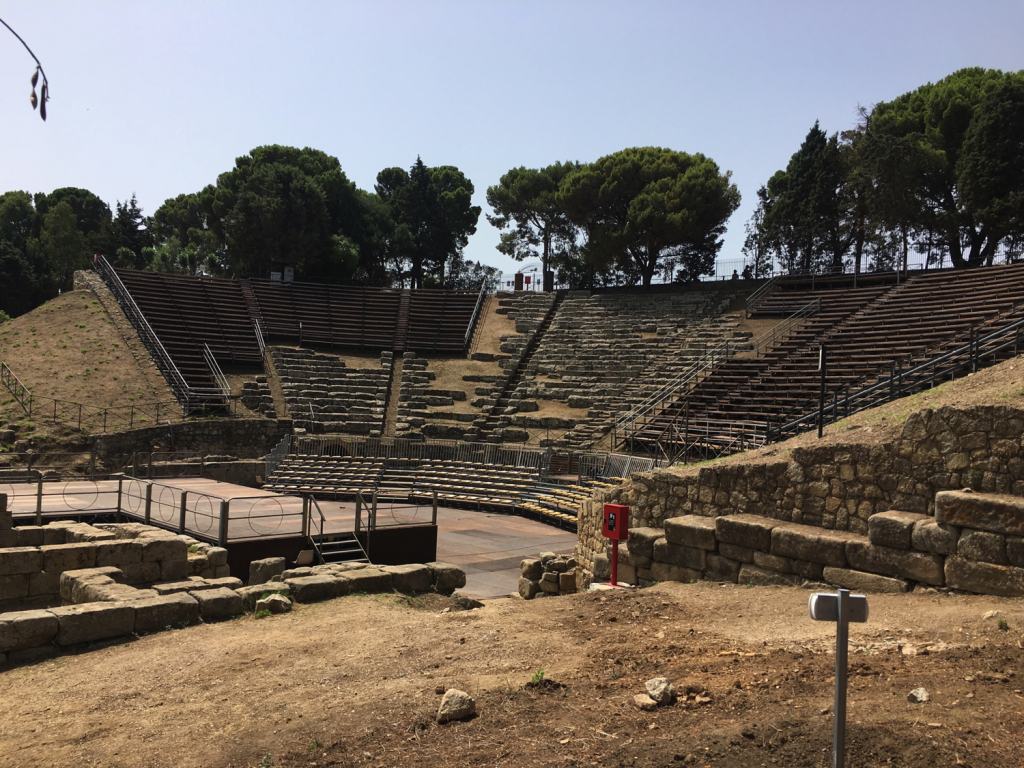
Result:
834,486
244,438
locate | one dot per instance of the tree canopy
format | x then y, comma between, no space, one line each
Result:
649,208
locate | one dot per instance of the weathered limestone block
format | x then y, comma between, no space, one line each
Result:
410,579
262,571
985,578
170,548
603,568
768,562
67,557
164,612
30,535
917,566
20,630
251,594
816,545
567,583
72,583
93,621
141,573
456,705
692,531
750,531
447,577
859,581
735,552
14,586
218,604
721,569
16,560
311,589
549,583
528,588
118,552
894,529
982,546
368,580
274,603
752,574
1015,550
43,583
641,544
667,572
218,556
531,568
675,554
997,513
932,536
173,569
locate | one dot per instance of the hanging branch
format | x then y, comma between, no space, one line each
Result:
44,92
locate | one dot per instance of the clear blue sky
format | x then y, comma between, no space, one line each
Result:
159,98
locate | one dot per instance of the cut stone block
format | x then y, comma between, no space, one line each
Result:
752,574
983,546
43,583
217,556
252,594
775,563
816,545
567,583
667,572
859,581
641,541
14,560
368,580
692,531
984,578
447,577
93,621
531,569
262,571
750,531
171,570
118,553
74,583
311,589
274,604
898,563
141,573
722,569
809,571
26,629
30,536
1015,550
675,554
14,586
410,579
894,529
932,536
154,614
997,513
735,552
218,604
67,557
528,588
171,548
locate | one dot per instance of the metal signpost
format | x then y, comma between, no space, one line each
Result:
842,608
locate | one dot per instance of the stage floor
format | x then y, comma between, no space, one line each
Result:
487,545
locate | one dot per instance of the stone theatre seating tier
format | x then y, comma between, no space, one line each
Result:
865,330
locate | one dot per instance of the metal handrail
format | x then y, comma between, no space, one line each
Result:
810,308
18,390
476,312
757,296
178,384
901,382
259,338
218,374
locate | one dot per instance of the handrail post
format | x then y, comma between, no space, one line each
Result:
181,512
433,517
359,513
305,517
117,514
39,500
149,502
373,512
225,516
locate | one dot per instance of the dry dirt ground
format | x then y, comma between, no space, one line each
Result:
357,681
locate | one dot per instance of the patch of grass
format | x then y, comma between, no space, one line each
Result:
263,613
314,745
538,677
1002,625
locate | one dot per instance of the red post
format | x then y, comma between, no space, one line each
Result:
616,528
615,563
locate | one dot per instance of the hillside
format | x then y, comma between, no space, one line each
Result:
71,350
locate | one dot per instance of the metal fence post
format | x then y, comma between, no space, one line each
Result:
117,513
305,516
225,515
181,512
433,517
149,502
359,512
373,512
39,501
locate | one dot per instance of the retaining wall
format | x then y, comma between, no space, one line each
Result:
244,438
834,487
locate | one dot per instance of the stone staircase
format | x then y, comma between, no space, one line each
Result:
257,397
323,395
